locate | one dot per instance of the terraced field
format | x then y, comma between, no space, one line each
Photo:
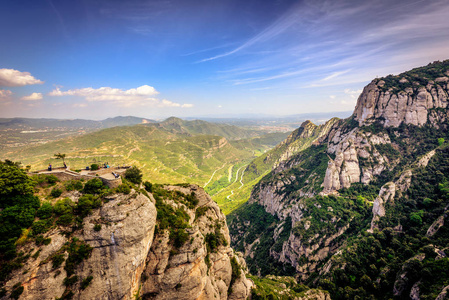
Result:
173,151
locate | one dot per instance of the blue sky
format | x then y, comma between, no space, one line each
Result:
97,58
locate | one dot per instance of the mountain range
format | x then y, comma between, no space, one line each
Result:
352,208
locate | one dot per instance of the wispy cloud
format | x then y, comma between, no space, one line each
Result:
277,28
342,42
334,75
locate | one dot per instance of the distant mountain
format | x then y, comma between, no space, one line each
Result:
195,127
254,119
362,211
171,151
39,124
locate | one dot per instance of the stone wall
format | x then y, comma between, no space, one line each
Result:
65,175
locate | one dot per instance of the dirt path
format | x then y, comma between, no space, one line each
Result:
213,175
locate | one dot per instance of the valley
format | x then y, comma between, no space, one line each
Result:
352,208
171,151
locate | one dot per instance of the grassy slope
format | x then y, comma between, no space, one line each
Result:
165,153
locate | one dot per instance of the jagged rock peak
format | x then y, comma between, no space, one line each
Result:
411,97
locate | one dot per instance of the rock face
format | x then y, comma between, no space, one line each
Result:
193,271
410,105
351,148
392,135
128,259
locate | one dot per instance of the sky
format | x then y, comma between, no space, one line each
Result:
95,59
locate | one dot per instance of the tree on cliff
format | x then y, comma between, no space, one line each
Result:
60,156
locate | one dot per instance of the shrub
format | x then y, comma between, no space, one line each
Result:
51,179
68,281
94,167
64,206
86,203
78,251
235,272
55,192
86,282
72,185
93,186
123,188
97,227
65,220
134,175
45,211
57,260
148,186
179,237
40,227
17,291
440,141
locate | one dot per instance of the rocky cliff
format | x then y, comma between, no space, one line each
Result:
356,178
169,244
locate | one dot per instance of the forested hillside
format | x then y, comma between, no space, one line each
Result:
362,212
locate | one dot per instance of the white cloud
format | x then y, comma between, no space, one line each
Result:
80,105
11,77
332,96
5,94
140,96
353,93
32,97
167,103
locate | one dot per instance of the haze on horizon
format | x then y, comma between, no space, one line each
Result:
153,59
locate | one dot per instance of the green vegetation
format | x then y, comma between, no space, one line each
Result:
236,273
60,155
94,186
55,192
277,288
170,152
18,208
255,223
134,175
374,262
421,76
176,221
123,188
215,239
86,282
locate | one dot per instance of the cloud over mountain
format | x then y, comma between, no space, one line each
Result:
11,77
141,96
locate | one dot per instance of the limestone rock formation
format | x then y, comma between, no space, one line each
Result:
195,271
130,257
410,105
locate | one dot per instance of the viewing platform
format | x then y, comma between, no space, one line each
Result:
105,174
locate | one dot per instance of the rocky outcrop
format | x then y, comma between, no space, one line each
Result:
118,255
128,259
409,105
357,158
301,138
194,271
387,194
403,279
444,294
